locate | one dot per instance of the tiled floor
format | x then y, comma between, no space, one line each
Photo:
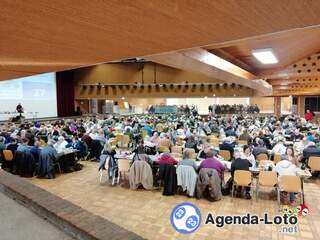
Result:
147,212
31,226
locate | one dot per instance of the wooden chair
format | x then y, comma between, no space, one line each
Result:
265,163
290,184
180,141
159,128
267,179
214,142
164,149
113,141
225,154
119,137
211,137
314,163
241,178
124,141
7,155
144,133
215,134
176,156
123,168
262,157
176,149
242,142
276,158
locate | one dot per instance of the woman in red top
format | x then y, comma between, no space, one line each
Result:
309,116
166,158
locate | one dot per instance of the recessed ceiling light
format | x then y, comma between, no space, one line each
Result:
265,56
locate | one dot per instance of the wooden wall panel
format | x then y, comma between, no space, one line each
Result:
264,103
83,104
132,73
158,80
86,92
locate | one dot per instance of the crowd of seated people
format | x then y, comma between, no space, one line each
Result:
155,139
180,109
42,149
233,109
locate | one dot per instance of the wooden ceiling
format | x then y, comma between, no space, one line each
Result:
288,47
298,69
43,35
199,60
299,78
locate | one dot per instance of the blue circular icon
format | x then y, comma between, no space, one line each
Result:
192,221
185,218
180,213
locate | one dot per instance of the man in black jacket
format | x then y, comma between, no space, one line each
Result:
240,164
259,149
228,145
311,150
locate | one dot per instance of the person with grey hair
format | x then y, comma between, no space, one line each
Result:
60,144
23,146
187,159
261,148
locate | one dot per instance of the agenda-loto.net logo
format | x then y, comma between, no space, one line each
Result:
186,218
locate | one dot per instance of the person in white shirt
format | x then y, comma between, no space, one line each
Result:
278,132
279,148
60,145
299,146
287,168
100,136
247,154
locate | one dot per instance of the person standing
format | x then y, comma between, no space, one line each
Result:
19,109
309,116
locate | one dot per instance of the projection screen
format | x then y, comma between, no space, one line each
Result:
37,95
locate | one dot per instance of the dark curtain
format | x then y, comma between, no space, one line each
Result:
65,93
312,103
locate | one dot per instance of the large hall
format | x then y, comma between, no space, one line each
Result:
160,120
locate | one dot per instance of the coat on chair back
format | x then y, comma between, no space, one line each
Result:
167,173
209,184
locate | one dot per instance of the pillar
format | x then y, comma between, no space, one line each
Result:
277,106
301,106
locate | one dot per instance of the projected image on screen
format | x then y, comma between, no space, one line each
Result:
37,95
